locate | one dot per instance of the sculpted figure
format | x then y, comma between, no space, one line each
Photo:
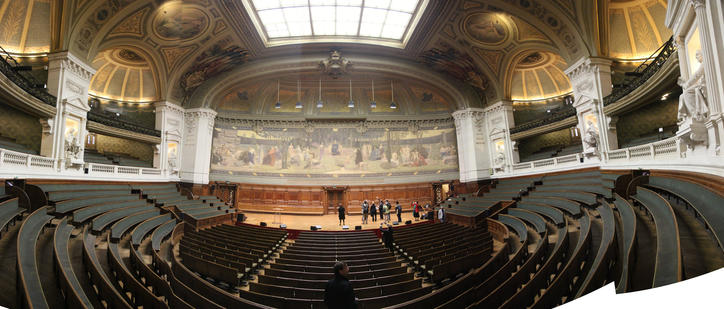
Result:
692,102
590,138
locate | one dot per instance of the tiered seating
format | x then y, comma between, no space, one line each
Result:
668,249
11,144
548,248
228,253
29,284
10,211
378,278
445,250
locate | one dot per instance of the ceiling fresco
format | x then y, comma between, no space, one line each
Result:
124,75
482,45
24,26
639,25
539,75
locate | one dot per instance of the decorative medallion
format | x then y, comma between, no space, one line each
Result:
179,22
487,28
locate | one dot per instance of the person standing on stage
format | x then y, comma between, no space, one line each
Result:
373,212
381,209
341,213
398,210
365,211
416,210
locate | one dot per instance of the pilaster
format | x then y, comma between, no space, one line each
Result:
64,135
195,152
591,81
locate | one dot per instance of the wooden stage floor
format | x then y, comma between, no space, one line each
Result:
328,222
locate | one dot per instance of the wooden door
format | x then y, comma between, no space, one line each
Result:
335,196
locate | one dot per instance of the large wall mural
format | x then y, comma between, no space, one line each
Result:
333,152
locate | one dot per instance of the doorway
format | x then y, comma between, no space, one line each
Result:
334,197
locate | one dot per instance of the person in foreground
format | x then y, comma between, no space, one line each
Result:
339,292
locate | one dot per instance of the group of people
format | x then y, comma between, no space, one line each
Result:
383,208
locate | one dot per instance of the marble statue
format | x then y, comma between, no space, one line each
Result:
692,102
590,138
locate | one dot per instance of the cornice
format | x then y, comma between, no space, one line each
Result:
333,123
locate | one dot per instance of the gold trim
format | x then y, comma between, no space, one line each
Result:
630,32
26,25
652,24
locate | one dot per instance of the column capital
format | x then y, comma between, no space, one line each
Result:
588,65
468,113
698,4
168,107
66,60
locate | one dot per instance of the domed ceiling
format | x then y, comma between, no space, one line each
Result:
24,26
539,75
124,75
637,27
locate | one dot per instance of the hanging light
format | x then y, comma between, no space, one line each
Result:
351,102
373,104
279,103
320,104
392,104
299,96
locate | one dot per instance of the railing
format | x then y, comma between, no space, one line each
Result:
551,162
565,112
14,159
18,164
668,148
8,67
643,72
97,168
121,124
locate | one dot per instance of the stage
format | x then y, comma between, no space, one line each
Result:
328,222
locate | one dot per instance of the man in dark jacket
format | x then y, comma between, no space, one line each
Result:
339,292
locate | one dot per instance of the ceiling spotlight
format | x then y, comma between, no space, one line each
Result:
279,103
320,104
665,96
299,96
351,102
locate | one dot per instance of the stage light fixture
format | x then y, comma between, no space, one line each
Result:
320,104
299,96
373,104
351,102
392,104
279,103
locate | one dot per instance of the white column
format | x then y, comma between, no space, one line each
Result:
591,81
708,21
170,121
697,28
473,158
196,148
64,135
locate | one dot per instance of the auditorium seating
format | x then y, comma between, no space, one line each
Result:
563,236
